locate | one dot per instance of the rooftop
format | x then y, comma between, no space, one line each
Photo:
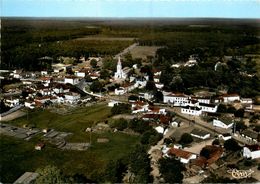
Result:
199,132
179,153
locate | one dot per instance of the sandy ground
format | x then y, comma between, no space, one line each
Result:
13,115
196,148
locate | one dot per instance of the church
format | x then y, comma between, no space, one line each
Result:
120,74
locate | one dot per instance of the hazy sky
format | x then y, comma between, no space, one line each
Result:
132,8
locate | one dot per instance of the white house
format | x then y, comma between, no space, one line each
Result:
12,102
176,122
223,123
195,111
72,97
112,103
204,100
208,107
29,104
201,134
227,98
120,91
161,130
147,96
80,74
183,155
177,99
159,85
251,151
246,100
225,136
71,80
139,106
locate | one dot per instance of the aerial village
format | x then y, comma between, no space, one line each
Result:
206,134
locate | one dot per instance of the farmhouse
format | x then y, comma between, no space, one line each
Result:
223,123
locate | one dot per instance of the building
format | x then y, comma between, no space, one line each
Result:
225,136
112,103
72,97
161,130
195,111
71,80
120,91
223,123
183,155
229,98
201,134
27,178
177,99
251,151
250,135
119,74
206,107
39,146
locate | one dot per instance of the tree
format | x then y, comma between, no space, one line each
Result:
150,137
50,174
231,145
186,139
121,109
205,153
93,63
119,124
171,170
104,74
139,165
96,86
239,113
114,171
158,96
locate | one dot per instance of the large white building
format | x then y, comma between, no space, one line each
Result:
177,99
251,151
119,74
223,123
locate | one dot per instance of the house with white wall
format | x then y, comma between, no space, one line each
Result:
194,111
71,80
201,134
251,151
177,99
120,91
205,107
71,97
229,98
223,123
183,155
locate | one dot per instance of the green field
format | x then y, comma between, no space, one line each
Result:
19,156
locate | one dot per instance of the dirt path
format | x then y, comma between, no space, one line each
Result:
12,116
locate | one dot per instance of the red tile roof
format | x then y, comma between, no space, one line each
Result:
179,153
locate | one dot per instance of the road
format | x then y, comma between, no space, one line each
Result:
126,50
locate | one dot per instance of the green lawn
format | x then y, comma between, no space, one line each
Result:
19,156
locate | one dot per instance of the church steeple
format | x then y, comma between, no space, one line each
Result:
119,65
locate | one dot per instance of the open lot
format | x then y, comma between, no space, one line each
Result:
143,51
19,156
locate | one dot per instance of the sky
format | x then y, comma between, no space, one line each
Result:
131,8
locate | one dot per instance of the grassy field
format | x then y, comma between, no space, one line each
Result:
143,51
19,156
